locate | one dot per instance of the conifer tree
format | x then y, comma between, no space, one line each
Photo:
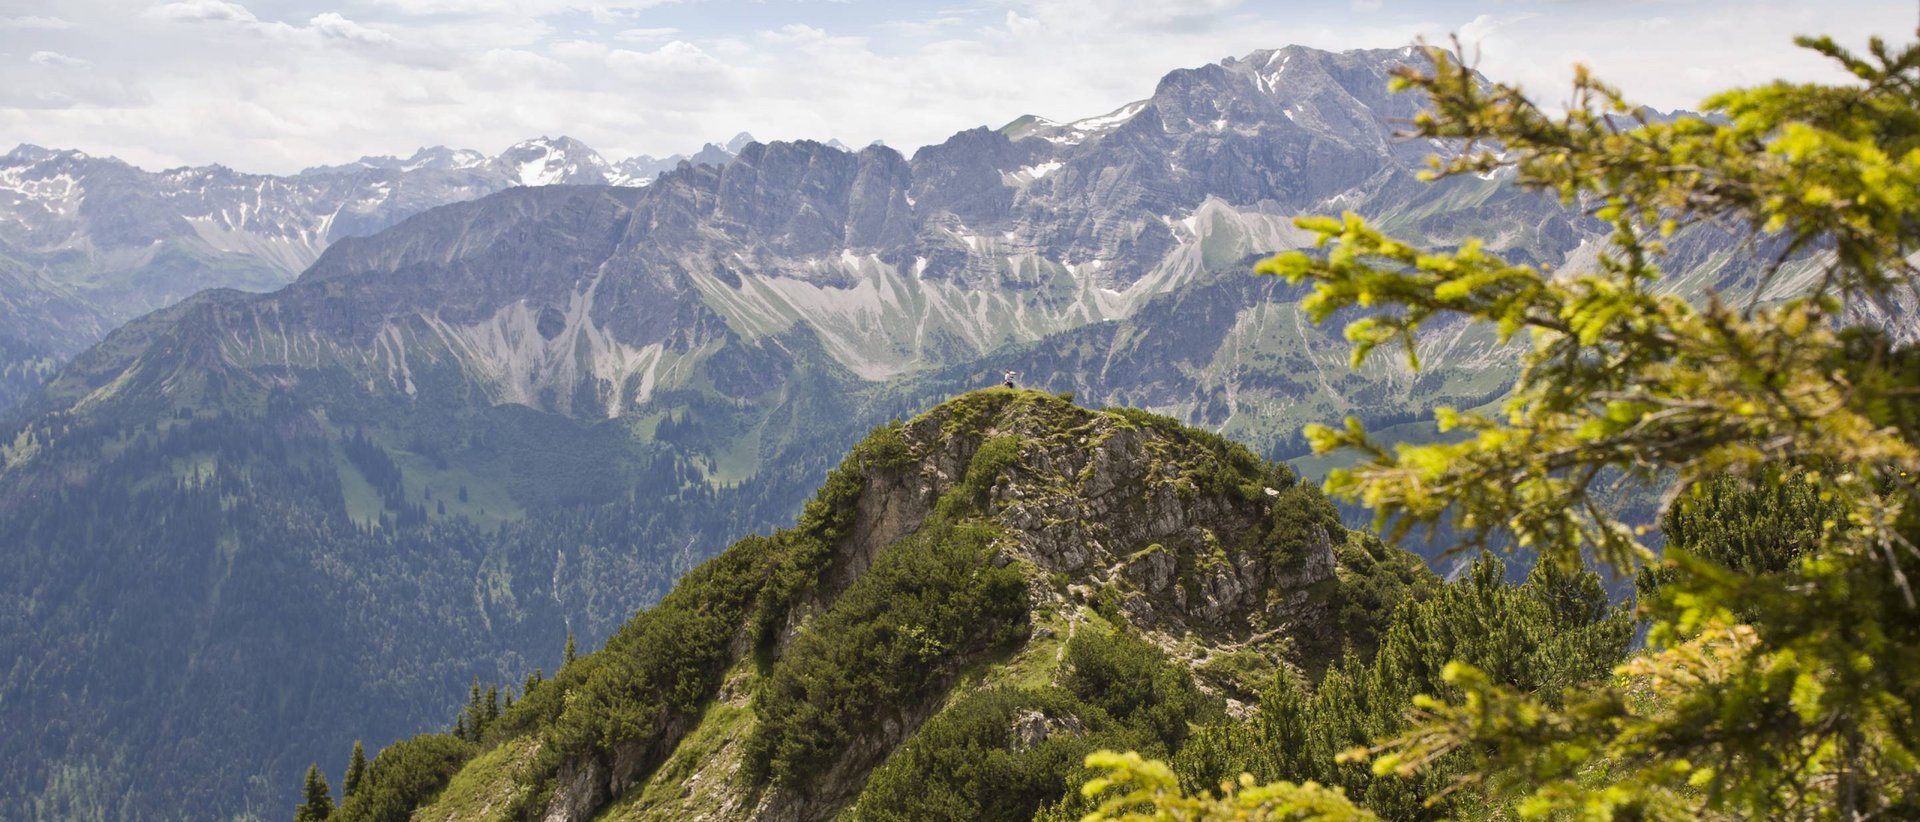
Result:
318,804
356,772
1768,689
474,715
490,707
566,655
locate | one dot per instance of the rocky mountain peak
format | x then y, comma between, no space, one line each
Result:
964,175
1073,133
553,161
53,160
26,153
1342,94
990,530
1186,525
713,155
642,169
437,158
805,198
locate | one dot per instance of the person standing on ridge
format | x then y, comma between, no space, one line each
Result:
1009,376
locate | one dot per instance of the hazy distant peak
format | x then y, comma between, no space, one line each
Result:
439,158
26,154
714,155
553,161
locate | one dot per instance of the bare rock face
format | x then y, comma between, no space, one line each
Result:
581,790
1030,728
1129,502
1151,569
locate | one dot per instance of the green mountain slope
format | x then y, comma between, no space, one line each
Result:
1006,566
975,601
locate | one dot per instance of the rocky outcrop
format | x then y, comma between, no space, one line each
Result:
1117,501
1093,506
1031,728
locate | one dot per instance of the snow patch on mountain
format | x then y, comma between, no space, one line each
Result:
1109,120
553,161
1027,174
1076,132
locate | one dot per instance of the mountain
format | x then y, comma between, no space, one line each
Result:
439,158
641,169
555,161
974,601
740,141
450,442
87,243
1084,577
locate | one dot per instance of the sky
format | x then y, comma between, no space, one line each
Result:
276,86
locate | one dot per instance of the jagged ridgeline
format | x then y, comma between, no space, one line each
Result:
973,601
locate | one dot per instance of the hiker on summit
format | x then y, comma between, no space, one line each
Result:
1009,376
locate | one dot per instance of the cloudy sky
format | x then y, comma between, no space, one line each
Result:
275,86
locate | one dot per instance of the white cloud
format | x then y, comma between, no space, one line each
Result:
321,28
601,10
522,65
793,33
1020,25
653,35
54,58
331,24
1486,26
1676,59
679,60
579,50
34,22
219,10
918,28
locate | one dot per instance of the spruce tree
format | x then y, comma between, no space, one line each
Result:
566,656
475,714
319,798
490,707
356,772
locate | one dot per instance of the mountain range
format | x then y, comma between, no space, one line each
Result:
247,527
87,243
